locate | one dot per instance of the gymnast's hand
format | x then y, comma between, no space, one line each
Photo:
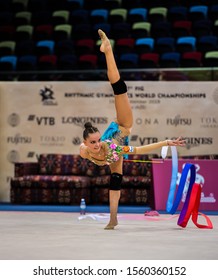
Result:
178,142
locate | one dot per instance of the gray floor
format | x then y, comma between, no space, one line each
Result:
62,236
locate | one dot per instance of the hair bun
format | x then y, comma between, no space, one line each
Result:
87,125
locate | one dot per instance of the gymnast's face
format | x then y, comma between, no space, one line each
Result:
93,142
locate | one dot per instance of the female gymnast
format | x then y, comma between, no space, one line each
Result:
109,148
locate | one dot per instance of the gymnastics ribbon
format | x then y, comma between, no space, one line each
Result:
164,151
193,196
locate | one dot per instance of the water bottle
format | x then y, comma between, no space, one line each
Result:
83,207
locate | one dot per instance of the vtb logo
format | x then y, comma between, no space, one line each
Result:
42,120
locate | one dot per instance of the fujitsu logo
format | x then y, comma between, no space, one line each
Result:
178,121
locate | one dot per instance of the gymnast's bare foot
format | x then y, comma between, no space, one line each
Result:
111,225
105,45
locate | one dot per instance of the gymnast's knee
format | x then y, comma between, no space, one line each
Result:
116,181
119,87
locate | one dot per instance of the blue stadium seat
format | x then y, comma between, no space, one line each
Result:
99,16
198,12
177,13
27,63
45,47
186,44
170,60
165,44
144,45
207,43
68,62
128,60
137,15
103,26
8,63
74,4
79,16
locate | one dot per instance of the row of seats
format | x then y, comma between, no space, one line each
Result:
155,14
33,5
59,28
122,45
93,61
115,31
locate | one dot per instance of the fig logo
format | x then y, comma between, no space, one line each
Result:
47,95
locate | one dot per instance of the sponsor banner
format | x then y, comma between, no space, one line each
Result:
49,117
206,175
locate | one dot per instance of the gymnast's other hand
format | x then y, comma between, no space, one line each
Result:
177,142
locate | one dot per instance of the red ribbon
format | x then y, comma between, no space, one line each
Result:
192,210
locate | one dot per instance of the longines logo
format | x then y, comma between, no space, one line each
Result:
197,141
18,139
177,120
13,119
42,120
47,95
80,121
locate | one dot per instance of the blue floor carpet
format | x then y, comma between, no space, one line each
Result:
89,209
71,208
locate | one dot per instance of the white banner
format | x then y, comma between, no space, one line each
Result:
49,117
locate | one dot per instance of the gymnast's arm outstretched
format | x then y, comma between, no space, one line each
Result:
150,147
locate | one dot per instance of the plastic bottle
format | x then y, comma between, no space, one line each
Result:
83,207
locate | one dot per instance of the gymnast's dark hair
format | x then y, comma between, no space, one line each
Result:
89,129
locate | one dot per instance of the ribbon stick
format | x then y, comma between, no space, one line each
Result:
138,160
